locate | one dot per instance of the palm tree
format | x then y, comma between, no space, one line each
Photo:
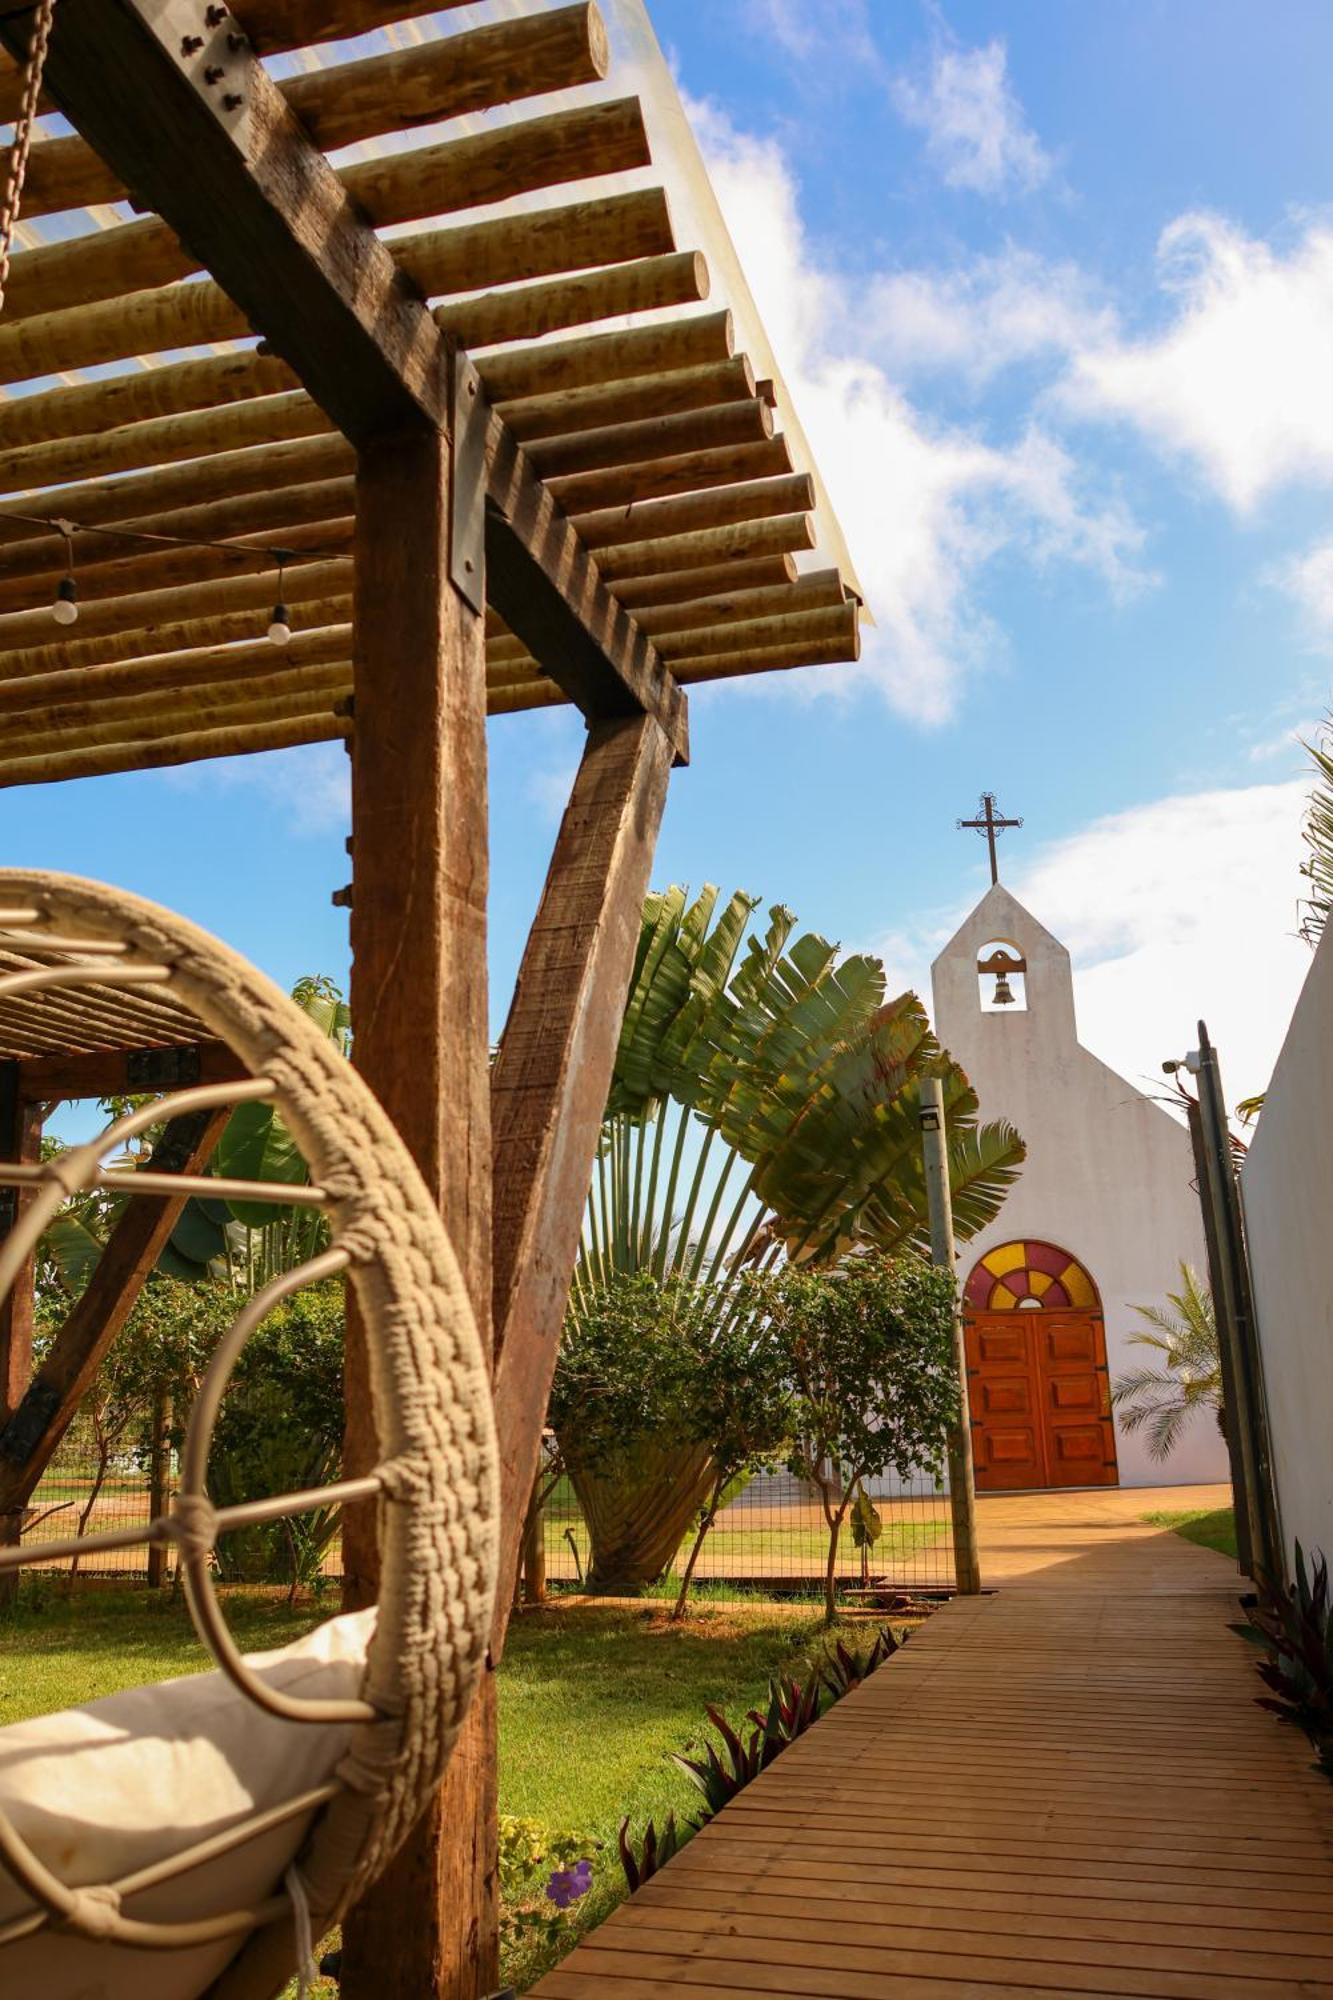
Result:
1318,837
763,1107
1159,1401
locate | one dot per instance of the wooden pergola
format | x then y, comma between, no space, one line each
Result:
465,516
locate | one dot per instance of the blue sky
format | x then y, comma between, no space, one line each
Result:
1052,286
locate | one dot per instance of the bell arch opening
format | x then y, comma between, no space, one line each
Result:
1002,978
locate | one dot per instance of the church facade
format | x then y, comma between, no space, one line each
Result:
1100,1220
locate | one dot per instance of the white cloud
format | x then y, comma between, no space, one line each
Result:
976,133
1182,908
1239,381
924,506
311,786
984,317
1308,580
833,31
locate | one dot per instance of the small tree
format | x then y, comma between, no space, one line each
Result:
868,1350
624,1408
742,1410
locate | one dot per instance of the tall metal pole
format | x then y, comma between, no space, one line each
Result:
1235,1318
939,1203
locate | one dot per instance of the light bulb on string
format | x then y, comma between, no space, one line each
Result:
65,610
280,623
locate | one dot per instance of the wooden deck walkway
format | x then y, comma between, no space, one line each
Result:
1064,1788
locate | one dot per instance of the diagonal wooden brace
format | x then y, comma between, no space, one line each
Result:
550,1084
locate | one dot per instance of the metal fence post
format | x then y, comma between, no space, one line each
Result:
962,1484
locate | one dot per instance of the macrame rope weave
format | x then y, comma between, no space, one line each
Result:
22,146
437,1481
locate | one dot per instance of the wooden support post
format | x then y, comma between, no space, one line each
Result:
20,1140
429,1927
551,1079
52,1398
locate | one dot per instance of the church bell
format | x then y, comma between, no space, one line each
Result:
1003,993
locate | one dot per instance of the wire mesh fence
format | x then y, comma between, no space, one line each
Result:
86,1489
770,1540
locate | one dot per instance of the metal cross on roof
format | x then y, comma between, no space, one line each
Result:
990,822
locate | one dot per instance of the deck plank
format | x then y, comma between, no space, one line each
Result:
1064,1787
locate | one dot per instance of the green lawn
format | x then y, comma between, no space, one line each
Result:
591,1699
1211,1528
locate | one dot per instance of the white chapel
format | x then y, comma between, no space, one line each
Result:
1100,1220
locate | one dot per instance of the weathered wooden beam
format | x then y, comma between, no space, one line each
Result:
161,639
644,440
401,187
229,168
419,999
115,1072
142,610
245,491
274,26
316,529
680,586
159,752
52,1398
653,520
705,547
172,491
611,229
550,1084
263,519
89,410
171,672
545,586
20,1141
209,439
312,692
816,590
438,79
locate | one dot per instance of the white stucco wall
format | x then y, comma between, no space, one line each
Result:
1287,1185
1108,1174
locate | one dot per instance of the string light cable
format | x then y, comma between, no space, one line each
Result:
65,605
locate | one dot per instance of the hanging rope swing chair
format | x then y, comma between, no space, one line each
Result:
192,1837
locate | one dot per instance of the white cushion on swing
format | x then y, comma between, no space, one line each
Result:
101,1791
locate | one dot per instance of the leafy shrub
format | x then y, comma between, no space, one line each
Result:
845,1669
1295,1628
542,1874
654,1850
793,1708
720,1777
280,1431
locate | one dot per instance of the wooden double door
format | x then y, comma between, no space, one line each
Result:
1040,1399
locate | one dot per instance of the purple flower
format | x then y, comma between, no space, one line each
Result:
568,1884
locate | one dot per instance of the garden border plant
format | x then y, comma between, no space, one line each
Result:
1294,1625
794,1706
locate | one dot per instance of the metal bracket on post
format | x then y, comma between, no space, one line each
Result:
467,485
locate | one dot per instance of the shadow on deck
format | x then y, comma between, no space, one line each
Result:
1062,1788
